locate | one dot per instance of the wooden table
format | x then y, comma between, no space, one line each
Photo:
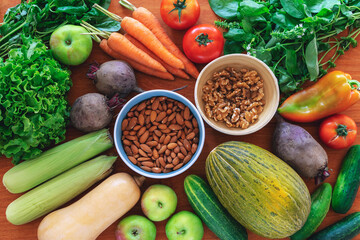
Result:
81,85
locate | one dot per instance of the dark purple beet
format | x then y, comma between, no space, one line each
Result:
93,111
300,150
113,77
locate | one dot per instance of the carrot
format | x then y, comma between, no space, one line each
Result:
164,75
123,46
146,37
139,31
175,71
151,22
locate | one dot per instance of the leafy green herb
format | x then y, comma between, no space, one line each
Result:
33,107
298,39
225,8
39,18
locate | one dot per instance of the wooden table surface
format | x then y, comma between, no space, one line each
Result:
81,85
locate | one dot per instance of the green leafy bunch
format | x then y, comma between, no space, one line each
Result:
39,18
297,39
33,109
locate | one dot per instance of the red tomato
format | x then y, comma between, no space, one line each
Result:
203,43
180,14
338,131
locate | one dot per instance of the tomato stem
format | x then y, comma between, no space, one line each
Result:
342,130
203,39
179,6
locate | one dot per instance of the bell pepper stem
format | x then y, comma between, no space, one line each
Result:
354,84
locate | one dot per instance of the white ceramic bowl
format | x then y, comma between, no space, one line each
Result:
238,61
142,97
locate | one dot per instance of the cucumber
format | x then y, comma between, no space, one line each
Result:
346,229
320,204
348,181
205,204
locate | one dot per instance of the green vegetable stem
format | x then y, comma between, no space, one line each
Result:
297,39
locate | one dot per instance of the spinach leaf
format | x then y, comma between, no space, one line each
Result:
238,35
287,83
284,20
251,8
295,8
316,6
311,59
233,47
225,8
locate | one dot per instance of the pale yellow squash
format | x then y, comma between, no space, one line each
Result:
87,218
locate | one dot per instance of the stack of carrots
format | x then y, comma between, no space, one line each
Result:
145,46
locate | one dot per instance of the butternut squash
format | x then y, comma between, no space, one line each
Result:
87,218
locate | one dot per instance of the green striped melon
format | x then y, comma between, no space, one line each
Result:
258,189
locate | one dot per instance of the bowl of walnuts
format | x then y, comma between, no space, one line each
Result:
237,94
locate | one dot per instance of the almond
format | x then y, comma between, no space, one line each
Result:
124,124
147,164
134,149
178,166
175,127
146,168
187,159
144,137
146,148
190,136
166,139
152,143
141,106
153,116
141,131
155,104
186,113
171,146
141,119
132,123
160,116
156,170
132,159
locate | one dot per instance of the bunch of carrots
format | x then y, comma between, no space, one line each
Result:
145,46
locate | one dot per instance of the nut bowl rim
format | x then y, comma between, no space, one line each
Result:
142,97
257,125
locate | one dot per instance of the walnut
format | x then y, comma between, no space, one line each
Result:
235,97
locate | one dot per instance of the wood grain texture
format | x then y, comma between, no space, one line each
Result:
81,85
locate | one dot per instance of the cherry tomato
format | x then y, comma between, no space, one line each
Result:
180,14
338,131
203,43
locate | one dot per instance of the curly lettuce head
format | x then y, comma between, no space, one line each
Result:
33,108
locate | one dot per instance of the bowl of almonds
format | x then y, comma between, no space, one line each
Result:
159,134
237,94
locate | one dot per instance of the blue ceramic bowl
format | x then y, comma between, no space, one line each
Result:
142,97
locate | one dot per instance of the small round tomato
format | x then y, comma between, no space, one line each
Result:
180,14
203,43
338,131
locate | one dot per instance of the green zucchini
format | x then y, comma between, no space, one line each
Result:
320,204
346,229
205,204
348,181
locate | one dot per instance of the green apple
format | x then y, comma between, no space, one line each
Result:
69,45
135,227
158,202
184,225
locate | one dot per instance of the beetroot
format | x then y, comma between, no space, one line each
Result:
300,150
93,111
114,77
